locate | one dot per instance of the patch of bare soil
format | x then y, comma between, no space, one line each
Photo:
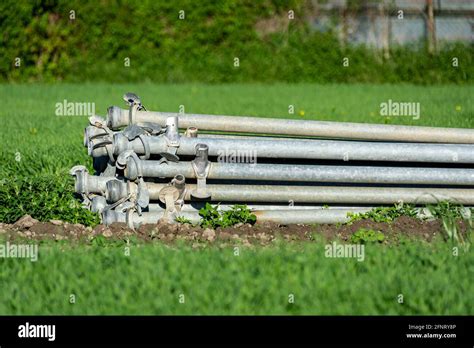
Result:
402,226
260,234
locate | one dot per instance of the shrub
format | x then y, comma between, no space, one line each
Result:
213,218
45,197
202,47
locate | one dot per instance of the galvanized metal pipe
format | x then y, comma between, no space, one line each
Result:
332,195
196,206
118,117
100,204
295,216
250,148
305,216
318,215
117,190
306,173
86,183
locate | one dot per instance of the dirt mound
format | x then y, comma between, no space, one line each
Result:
404,225
246,234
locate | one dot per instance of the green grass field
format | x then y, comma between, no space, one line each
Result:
154,277
36,143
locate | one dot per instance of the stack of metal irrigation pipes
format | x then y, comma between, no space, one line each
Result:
146,171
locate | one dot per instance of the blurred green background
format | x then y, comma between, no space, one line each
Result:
58,40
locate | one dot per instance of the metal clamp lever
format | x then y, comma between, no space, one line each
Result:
201,166
135,104
169,195
80,173
172,140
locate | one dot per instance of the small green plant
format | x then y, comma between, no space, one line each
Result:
363,236
385,214
239,213
213,218
210,216
183,220
450,215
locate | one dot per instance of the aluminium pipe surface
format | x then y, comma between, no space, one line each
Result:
86,183
306,216
117,190
325,194
306,173
196,206
295,216
250,148
118,117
